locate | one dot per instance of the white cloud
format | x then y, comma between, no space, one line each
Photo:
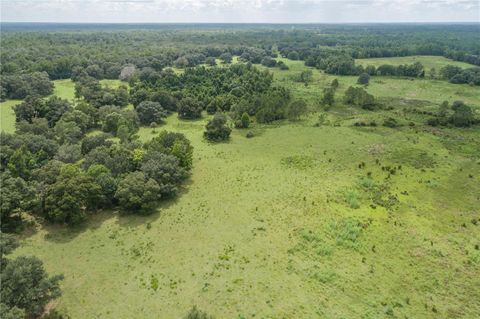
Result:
287,11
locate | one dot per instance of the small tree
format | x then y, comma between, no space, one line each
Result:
443,110
463,116
153,126
296,109
328,97
195,313
334,84
363,79
217,130
243,122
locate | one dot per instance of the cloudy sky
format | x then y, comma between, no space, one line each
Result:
269,11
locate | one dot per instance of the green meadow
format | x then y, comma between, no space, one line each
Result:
429,62
315,218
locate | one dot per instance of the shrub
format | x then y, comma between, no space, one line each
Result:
217,129
390,122
363,79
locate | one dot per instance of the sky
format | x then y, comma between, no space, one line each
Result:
240,11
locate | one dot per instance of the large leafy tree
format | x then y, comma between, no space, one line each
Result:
175,144
189,108
26,287
16,197
72,196
138,194
149,112
32,107
165,170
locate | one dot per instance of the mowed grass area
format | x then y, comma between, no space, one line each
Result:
288,224
429,62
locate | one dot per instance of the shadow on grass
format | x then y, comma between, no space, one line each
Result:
64,234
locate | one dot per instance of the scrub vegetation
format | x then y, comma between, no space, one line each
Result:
262,180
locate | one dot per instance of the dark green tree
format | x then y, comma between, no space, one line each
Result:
363,79
136,193
216,128
165,170
149,112
189,108
72,196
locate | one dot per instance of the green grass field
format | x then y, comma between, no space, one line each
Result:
429,62
286,224
7,116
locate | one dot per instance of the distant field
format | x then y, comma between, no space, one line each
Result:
428,62
7,116
64,89
433,91
286,224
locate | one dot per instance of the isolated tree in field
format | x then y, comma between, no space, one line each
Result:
334,84
216,128
26,287
149,112
243,122
328,97
457,104
443,110
363,79
226,57
296,109
136,193
463,116
189,108
306,76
